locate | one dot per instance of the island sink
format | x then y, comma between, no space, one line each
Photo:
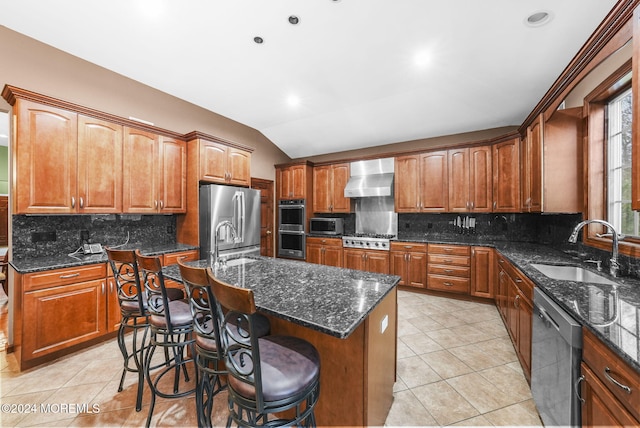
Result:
571,273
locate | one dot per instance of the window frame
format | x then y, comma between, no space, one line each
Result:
595,163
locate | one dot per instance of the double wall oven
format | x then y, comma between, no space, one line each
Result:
292,222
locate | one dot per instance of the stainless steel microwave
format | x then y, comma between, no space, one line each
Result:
326,226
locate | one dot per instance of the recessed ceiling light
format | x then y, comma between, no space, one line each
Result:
293,101
258,40
294,20
538,19
422,59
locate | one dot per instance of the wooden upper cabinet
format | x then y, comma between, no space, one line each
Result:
294,181
329,182
421,182
470,179
506,176
459,180
99,166
551,161
154,173
220,163
45,153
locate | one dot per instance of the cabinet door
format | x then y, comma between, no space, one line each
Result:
298,182
172,169
213,162
417,270
480,179
512,309
398,266
314,253
482,272
46,159
114,316
501,294
333,256
139,172
532,167
525,318
340,177
99,166
458,180
434,191
377,261
600,407
354,259
322,189
239,167
506,176
407,184
60,317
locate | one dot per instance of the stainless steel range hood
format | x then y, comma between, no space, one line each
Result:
370,178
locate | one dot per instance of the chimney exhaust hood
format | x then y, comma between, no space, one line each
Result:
370,178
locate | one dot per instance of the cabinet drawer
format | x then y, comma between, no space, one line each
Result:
441,259
459,271
614,373
186,256
458,250
448,283
53,278
408,246
327,242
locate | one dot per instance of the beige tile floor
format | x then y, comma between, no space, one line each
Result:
456,366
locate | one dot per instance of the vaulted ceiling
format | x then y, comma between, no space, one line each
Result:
349,74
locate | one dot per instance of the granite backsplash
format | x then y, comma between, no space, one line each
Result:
33,235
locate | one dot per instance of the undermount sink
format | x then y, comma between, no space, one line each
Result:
240,261
572,273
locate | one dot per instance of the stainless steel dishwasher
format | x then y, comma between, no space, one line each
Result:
556,351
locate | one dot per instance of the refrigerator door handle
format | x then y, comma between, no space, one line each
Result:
239,215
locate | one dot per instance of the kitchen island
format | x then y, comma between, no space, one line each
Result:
350,316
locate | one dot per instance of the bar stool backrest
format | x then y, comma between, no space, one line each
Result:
205,309
154,286
127,278
238,337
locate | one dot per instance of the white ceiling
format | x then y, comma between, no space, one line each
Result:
351,64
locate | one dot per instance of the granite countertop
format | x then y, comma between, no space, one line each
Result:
327,299
39,264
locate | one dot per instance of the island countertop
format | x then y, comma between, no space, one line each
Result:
327,299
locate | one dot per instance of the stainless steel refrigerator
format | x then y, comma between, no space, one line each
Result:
238,205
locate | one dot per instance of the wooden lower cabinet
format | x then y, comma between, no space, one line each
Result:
482,272
325,251
514,299
59,309
172,258
449,268
609,386
409,261
367,260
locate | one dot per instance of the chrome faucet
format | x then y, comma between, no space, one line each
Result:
216,238
614,267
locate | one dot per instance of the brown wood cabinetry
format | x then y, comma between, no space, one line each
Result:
154,173
325,251
367,260
220,163
409,261
506,176
470,179
609,387
294,181
421,182
551,161
60,308
514,299
482,272
329,182
449,268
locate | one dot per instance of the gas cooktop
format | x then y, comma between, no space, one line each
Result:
373,241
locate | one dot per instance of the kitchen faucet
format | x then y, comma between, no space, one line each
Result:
216,237
615,266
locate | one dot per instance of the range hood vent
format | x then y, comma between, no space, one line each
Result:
370,178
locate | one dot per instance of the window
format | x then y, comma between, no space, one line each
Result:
619,211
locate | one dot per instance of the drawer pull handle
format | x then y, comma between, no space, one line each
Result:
607,370
578,382
71,275
448,284
448,270
518,280
447,261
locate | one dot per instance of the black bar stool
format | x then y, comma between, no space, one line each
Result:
207,317
171,328
267,375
